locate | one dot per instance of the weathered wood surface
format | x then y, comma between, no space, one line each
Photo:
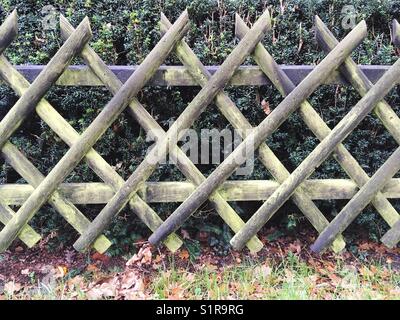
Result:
382,110
392,237
260,133
228,108
94,131
139,113
27,235
171,191
354,207
34,177
27,103
296,83
319,154
316,123
8,30
20,163
170,76
69,135
176,131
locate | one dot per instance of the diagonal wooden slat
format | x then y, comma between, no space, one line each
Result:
392,237
110,112
69,135
8,30
236,118
49,74
319,154
139,113
177,130
315,122
260,133
11,153
22,165
371,191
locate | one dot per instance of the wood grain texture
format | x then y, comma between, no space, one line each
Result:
395,33
27,103
34,177
382,110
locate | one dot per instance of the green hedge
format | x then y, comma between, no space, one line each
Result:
125,31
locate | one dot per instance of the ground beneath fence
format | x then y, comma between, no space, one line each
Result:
284,269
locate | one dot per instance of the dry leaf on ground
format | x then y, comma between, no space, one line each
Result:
144,256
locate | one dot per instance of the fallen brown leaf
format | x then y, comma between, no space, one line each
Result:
25,271
19,249
92,268
76,282
106,289
176,293
144,256
184,254
100,257
129,279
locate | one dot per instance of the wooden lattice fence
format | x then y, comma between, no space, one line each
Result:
296,83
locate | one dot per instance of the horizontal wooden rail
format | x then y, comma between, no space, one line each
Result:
171,191
167,76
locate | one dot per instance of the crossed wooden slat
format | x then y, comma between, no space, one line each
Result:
152,127
236,118
212,89
21,164
317,156
332,139
260,133
355,76
176,131
8,31
392,123
36,91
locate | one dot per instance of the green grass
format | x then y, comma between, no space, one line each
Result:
290,279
